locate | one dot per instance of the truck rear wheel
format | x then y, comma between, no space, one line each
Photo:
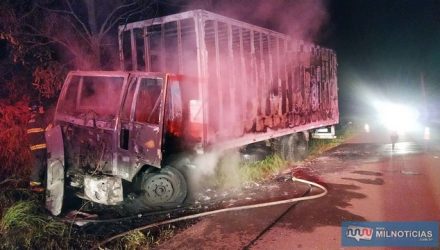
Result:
301,147
254,152
165,187
293,147
288,144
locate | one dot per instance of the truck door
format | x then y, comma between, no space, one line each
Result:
147,123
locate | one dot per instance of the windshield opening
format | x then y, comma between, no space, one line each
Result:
92,94
148,101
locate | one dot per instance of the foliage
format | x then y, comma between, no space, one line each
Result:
231,172
23,225
46,38
24,56
148,240
261,169
75,31
134,240
14,87
10,195
15,154
49,78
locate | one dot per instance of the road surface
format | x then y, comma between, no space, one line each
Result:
367,181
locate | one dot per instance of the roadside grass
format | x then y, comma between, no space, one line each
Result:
319,146
148,240
259,170
134,240
24,225
232,173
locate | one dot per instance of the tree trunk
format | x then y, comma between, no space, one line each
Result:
96,40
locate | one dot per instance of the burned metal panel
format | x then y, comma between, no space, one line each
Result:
202,70
285,92
102,189
238,81
218,77
163,49
121,49
134,61
88,150
143,118
246,76
147,123
55,170
270,81
126,51
261,76
230,88
179,47
255,137
146,50
139,39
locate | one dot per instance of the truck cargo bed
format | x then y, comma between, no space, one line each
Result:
247,83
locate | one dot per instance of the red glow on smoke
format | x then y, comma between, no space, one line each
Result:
301,19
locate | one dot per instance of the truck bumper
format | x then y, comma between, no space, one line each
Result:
105,190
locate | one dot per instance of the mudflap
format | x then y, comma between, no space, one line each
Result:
55,170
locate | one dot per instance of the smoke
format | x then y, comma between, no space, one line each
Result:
301,19
219,169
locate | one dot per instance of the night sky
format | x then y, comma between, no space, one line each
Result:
384,45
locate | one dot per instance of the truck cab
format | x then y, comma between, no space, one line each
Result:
110,127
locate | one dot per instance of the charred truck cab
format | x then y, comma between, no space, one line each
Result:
233,84
111,126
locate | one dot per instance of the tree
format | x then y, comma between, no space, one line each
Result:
49,36
83,29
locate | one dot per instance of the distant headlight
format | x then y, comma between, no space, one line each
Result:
367,128
427,134
398,117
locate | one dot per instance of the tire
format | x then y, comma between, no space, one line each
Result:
285,147
301,148
293,147
165,187
253,153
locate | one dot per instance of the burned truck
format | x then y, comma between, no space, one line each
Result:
190,83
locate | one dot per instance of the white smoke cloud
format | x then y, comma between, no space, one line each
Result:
301,19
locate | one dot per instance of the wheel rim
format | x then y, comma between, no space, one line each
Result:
158,188
164,187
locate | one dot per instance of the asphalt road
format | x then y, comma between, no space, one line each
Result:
367,181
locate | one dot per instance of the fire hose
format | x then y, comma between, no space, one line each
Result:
223,210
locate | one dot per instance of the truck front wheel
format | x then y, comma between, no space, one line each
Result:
165,187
